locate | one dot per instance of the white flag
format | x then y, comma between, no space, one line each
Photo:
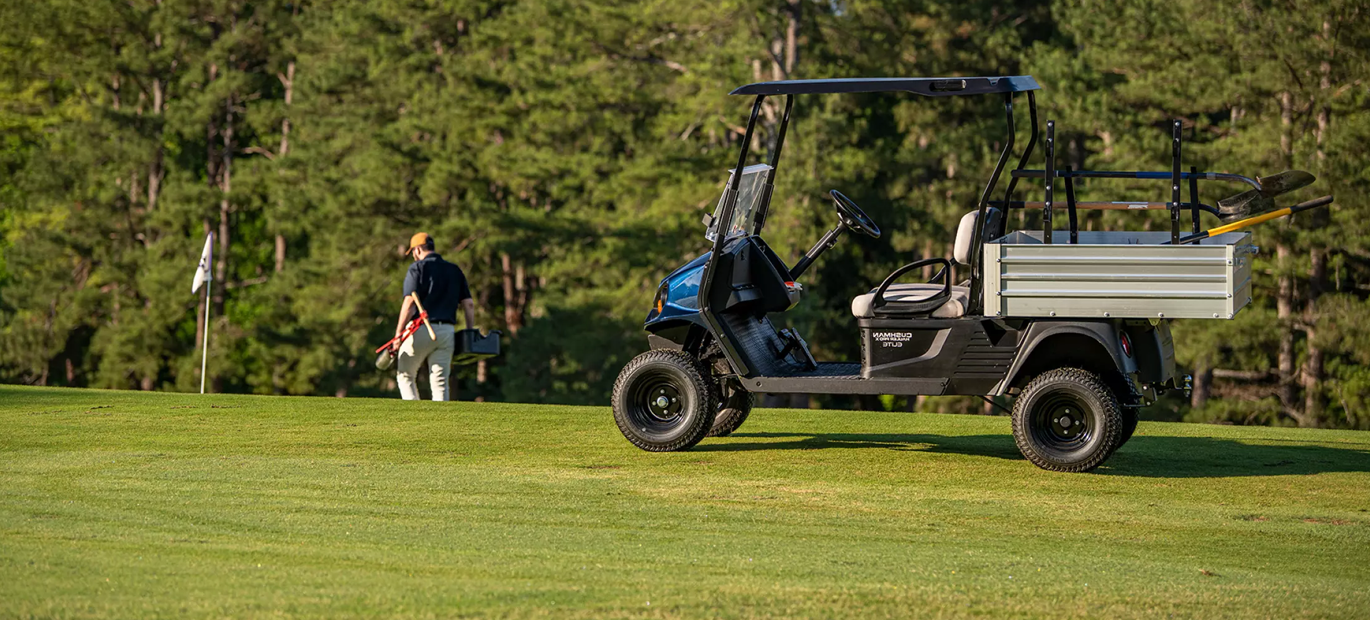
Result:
202,272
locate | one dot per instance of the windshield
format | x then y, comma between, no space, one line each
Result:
749,191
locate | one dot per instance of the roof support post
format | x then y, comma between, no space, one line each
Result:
1027,152
978,243
726,217
775,165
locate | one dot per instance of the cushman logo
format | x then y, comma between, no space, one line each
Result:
891,340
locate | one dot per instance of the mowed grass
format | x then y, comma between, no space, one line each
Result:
131,505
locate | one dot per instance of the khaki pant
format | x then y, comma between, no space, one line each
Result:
437,353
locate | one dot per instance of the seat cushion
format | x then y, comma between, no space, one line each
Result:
954,307
965,233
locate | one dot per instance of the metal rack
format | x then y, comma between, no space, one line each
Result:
1050,175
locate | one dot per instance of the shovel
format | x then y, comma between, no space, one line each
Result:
1252,221
1256,201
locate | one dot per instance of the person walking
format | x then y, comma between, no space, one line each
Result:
441,288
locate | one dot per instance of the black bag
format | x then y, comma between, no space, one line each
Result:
472,346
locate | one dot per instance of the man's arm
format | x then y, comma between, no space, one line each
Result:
405,309
468,306
411,284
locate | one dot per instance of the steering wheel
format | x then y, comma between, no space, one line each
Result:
853,217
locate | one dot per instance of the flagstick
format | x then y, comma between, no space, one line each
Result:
204,359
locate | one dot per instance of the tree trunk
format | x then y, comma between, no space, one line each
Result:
288,81
225,211
1317,256
155,170
927,253
515,293
795,12
1203,385
225,208
1284,296
1284,311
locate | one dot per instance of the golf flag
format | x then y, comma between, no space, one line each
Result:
202,276
202,272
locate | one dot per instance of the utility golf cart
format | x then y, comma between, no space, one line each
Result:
1077,329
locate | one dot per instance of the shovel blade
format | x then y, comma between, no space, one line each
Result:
1284,182
1244,205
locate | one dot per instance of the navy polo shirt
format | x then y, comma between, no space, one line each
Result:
441,287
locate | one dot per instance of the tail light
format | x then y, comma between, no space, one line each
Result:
1127,345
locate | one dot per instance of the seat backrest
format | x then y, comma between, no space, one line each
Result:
965,233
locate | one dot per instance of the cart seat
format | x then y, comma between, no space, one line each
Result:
958,301
955,306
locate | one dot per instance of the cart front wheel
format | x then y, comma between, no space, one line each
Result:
736,405
662,402
1067,420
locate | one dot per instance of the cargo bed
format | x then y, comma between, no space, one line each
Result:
1120,274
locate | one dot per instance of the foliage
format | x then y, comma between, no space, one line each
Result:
563,152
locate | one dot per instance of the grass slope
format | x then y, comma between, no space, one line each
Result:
128,505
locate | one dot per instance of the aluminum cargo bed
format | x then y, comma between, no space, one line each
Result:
1120,274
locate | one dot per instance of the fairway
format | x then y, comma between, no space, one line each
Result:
136,505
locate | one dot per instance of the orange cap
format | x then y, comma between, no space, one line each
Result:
419,239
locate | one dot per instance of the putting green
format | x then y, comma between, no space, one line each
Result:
133,505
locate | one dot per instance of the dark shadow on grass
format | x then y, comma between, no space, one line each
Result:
1144,456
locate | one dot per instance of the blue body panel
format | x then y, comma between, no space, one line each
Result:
681,295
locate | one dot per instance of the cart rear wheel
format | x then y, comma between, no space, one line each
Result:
1130,417
662,402
733,410
1067,420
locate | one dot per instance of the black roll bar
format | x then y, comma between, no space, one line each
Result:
1022,161
721,235
775,165
977,244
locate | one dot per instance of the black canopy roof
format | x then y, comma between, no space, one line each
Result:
929,87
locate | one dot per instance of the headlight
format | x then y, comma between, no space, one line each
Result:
659,304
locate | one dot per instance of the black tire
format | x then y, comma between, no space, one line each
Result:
1130,402
733,410
662,402
1093,421
1130,417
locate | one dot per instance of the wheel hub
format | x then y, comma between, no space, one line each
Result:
1068,424
1064,423
663,402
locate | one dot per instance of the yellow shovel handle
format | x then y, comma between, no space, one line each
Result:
1264,217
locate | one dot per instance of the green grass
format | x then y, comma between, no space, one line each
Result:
130,505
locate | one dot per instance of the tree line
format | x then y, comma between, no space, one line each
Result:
563,151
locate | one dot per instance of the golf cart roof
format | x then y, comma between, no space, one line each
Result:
928,87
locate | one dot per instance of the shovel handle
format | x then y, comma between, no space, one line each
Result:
423,314
1252,221
1265,217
